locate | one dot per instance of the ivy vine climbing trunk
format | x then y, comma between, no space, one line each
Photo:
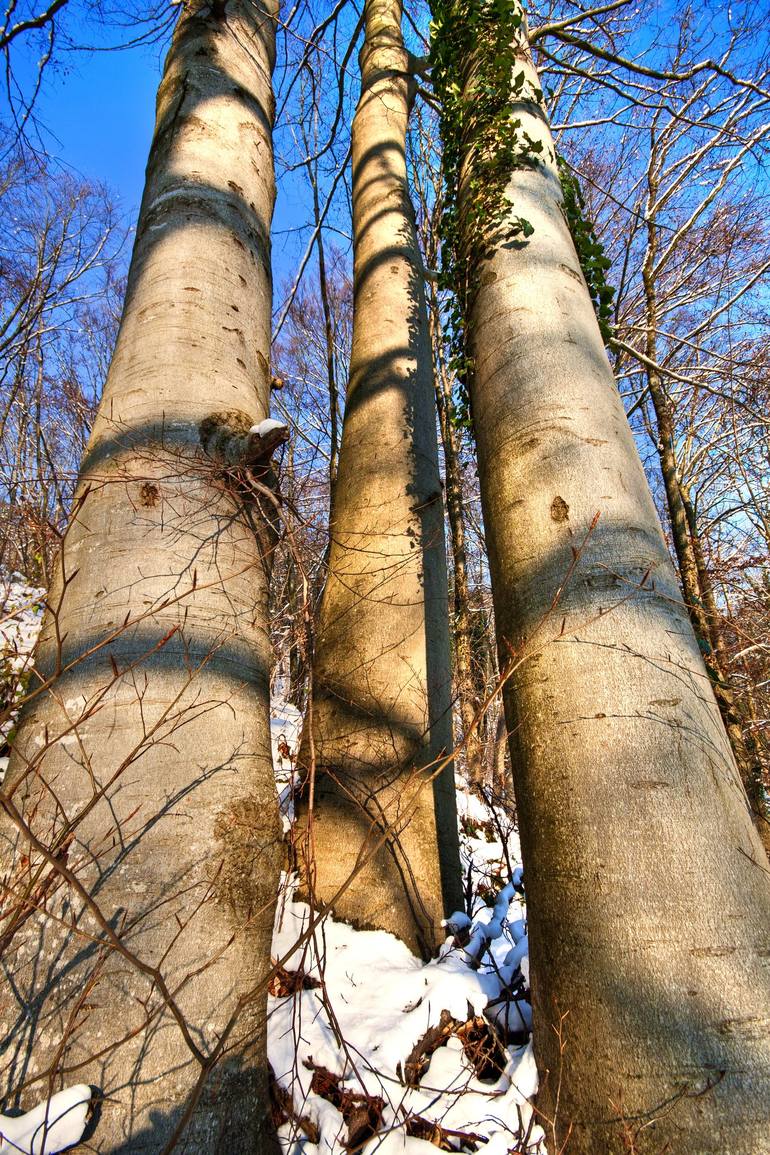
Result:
141,835
381,678
647,886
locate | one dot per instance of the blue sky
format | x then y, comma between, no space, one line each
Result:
98,109
96,112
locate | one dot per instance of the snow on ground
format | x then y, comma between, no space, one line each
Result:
382,1053
21,613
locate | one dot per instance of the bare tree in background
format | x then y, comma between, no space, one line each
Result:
685,330
303,398
59,285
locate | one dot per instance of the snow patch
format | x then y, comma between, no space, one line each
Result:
267,426
52,1126
285,730
21,615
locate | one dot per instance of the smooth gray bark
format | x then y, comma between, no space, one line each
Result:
144,765
381,677
648,890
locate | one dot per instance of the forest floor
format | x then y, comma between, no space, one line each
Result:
371,1050
374,1051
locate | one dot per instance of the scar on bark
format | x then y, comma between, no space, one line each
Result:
149,495
244,847
559,509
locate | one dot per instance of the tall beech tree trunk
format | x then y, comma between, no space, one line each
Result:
143,764
381,678
647,886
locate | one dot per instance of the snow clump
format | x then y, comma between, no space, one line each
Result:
21,615
54,1125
